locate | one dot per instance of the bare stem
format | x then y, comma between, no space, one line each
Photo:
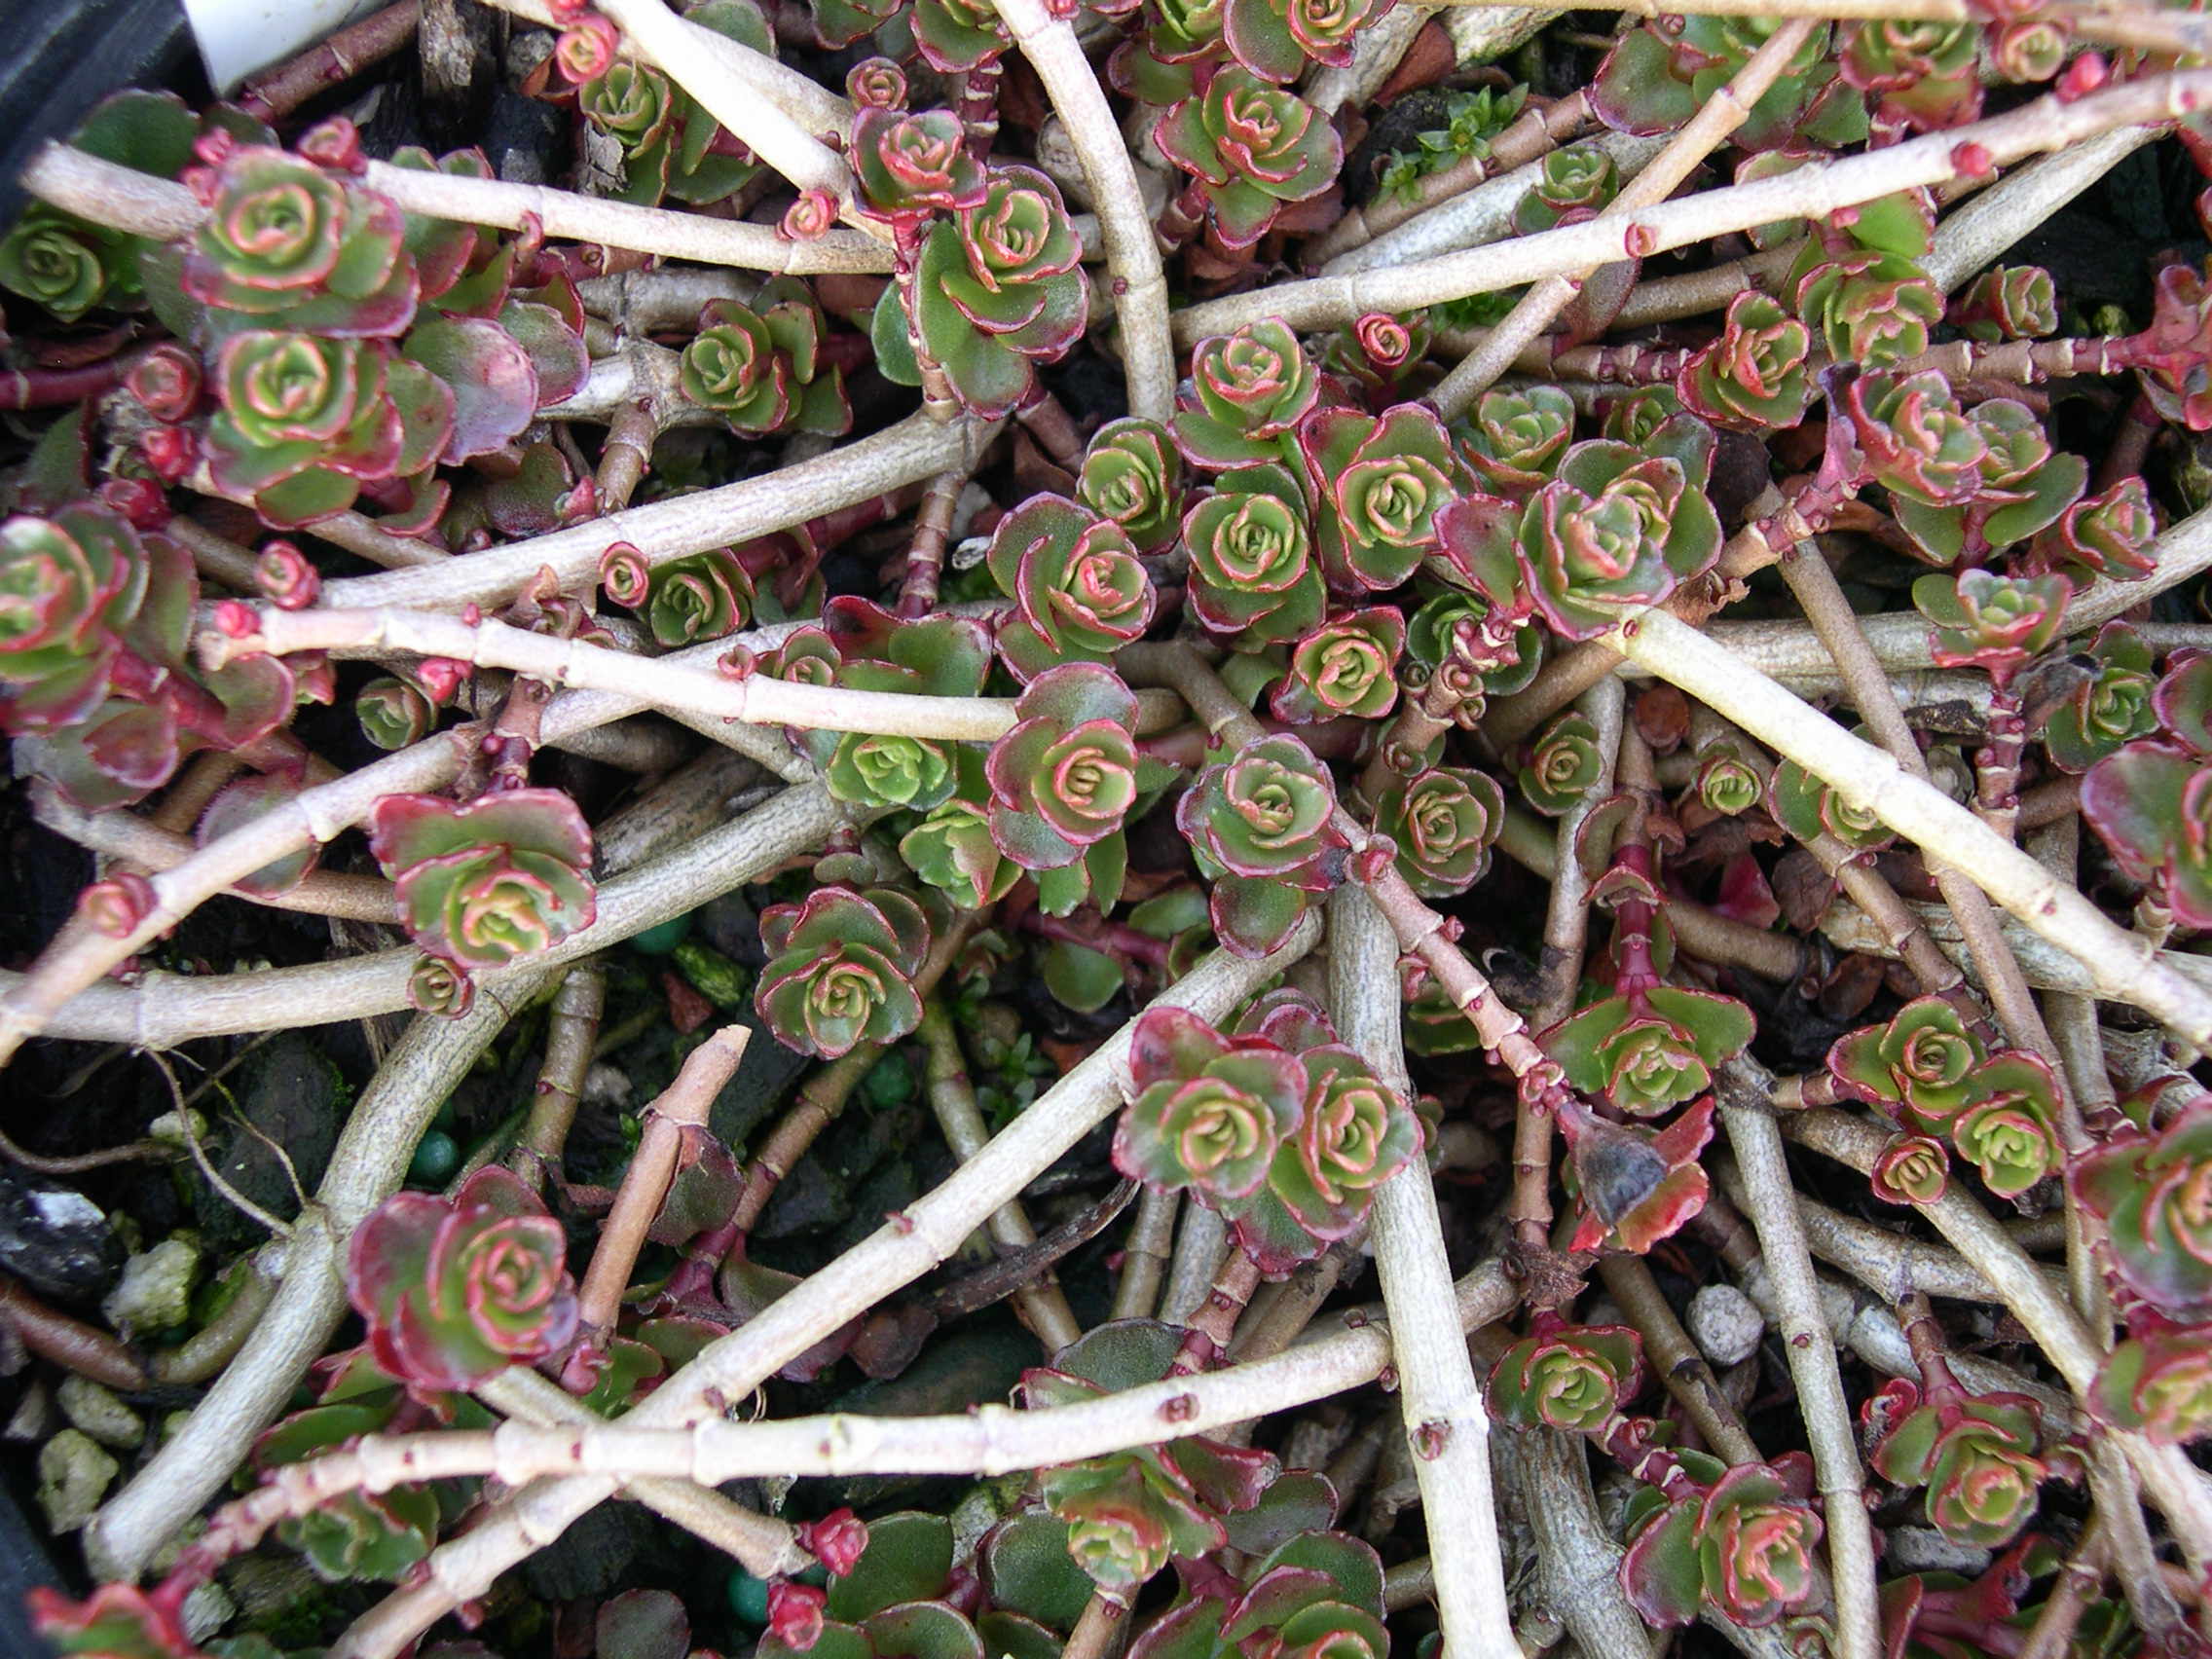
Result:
730,1368
1722,114
1814,191
2126,967
1446,1422
1040,1303
758,699
571,1029
1770,1199
1133,256
681,1107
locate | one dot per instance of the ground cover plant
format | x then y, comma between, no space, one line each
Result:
936,827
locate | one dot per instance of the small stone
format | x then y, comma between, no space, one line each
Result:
100,1412
1724,1324
54,1238
608,1086
155,1293
74,1474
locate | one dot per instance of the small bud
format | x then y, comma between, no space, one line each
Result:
810,216
140,500
118,906
794,1613
167,380
172,452
586,52
2081,77
1641,240
837,1540
287,577
624,576
876,82
237,619
335,145
1972,161
441,678
737,663
214,146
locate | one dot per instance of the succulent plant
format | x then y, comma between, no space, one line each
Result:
1288,1145
1912,1169
1130,1512
303,420
1276,39
908,166
702,596
1921,71
1210,1112
1808,807
1345,667
756,365
1574,181
2023,489
1564,764
2170,354
1754,377
2156,1381
2113,709
1567,1377
671,146
454,1290
288,247
998,292
1259,824
1443,821
2149,1192
502,878
2105,535
956,36
1317,1593
1062,782
1254,572
1975,1453
2151,803
2007,302
1985,620
1132,474
1515,439
1249,390
840,970
1869,307
864,646
1919,1068
1615,527
1741,1547
1650,1049
1079,590
1381,481
2010,1131
951,849
1656,79
1252,148
1915,441
1648,1046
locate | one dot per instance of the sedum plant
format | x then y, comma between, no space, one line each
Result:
1002,531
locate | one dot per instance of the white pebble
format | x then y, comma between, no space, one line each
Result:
1724,1324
